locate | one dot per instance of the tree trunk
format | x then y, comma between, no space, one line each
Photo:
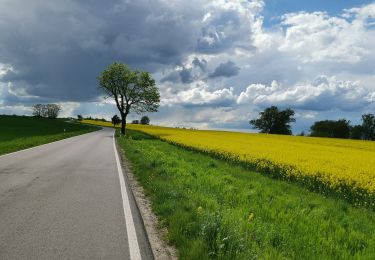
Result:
123,123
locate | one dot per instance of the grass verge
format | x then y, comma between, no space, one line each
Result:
215,209
336,167
21,132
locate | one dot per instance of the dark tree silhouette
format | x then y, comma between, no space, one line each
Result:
52,110
368,126
145,120
115,120
356,132
331,128
274,121
46,110
38,110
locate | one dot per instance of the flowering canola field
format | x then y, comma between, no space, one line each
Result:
346,167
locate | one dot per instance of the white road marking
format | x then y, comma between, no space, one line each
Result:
132,235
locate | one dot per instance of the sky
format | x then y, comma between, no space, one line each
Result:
217,63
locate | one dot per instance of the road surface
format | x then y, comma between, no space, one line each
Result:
68,200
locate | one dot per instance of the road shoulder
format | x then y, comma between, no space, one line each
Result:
155,234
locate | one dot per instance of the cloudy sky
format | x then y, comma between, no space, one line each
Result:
217,63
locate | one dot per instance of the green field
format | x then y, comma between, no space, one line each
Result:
21,132
215,209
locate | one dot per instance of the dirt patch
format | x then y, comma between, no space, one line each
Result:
155,234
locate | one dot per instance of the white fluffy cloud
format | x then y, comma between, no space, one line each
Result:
324,93
316,37
199,95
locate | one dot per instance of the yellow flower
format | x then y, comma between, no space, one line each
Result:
336,163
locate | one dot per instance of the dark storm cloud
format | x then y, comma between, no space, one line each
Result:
228,69
186,76
202,64
57,48
189,73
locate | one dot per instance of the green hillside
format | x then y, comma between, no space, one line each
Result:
20,132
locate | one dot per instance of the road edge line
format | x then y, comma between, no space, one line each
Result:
134,250
167,252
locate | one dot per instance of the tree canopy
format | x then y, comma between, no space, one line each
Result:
115,120
46,110
331,128
145,120
131,90
356,132
274,121
368,126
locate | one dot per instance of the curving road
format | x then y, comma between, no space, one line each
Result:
69,200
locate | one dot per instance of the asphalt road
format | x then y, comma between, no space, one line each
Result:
69,200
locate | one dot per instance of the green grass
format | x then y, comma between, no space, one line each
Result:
21,132
215,209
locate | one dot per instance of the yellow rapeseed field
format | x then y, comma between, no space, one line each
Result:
98,123
345,166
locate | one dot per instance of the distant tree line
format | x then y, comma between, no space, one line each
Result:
145,120
46,110
275,121
80,118
116,120
343,129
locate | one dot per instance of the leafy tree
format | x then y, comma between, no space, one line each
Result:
46,110
52,110
136,122
145,120
37,110
356,132
368,126
79,117
331,128
115,120
132,90
273,121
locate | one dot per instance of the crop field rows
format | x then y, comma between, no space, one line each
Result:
341,167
